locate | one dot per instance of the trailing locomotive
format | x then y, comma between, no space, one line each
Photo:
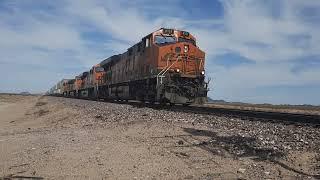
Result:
166,66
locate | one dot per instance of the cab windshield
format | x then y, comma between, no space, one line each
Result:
99,69
161,40
187,40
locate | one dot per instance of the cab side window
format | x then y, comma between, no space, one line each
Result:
146,41
130,52
139,47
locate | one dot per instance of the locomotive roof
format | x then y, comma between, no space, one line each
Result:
64,80
173,31
71,81
110,59
85,73
82,75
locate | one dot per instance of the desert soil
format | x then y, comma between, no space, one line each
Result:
63,138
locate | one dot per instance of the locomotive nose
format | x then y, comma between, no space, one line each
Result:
185,49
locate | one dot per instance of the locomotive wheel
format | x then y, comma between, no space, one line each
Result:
162,101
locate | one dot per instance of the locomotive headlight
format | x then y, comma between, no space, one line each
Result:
186,48
178,70
202,72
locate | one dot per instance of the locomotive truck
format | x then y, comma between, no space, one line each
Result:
166,66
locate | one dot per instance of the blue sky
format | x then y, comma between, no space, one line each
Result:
256,51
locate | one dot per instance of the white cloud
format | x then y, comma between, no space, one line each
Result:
251,30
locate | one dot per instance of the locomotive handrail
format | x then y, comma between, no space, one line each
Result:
164,67
163,71
200,64
170,66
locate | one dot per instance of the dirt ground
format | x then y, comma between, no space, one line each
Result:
59,138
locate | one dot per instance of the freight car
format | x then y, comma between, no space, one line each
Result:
166,66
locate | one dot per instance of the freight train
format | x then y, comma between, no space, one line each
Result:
166,66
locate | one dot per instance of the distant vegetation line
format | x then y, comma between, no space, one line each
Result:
223,102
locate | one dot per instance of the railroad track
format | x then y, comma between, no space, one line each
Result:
288,118
251,115
254,115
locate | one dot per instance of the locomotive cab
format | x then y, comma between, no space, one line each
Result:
96,75
78,82
99,74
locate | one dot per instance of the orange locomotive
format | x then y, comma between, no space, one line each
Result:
166,66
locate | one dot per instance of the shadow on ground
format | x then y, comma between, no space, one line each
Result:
238,147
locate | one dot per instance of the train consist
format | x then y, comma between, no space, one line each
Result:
166,66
